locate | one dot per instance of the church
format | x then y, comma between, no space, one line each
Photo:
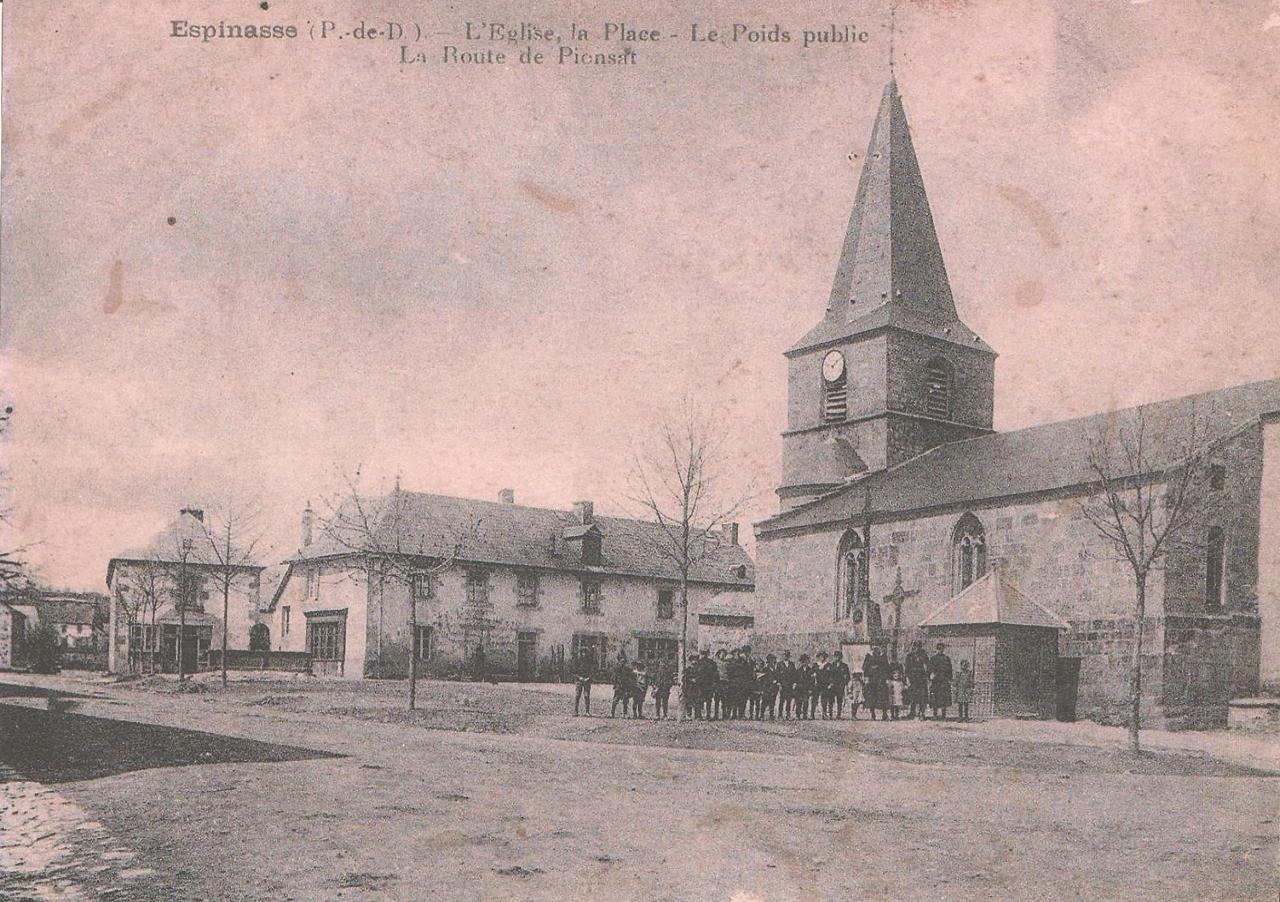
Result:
904,516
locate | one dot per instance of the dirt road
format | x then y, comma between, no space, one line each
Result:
326,793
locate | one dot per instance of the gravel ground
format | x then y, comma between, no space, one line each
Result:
320,790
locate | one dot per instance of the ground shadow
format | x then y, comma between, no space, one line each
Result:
59,747
14,690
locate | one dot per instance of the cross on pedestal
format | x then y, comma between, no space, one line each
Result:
896,598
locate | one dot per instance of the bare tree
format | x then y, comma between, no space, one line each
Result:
395,547
143,585
1150,493
232,536
14,572
680,483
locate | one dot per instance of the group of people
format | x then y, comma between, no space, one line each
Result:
735,685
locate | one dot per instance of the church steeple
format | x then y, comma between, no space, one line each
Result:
891,252
890,371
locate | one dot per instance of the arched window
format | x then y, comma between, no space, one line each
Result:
968,553
1215,558
851,578
835,399
937,388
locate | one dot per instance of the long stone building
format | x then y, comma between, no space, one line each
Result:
495,587
898,496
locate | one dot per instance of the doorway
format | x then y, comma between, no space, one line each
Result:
526,656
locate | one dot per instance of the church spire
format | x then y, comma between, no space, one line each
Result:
891,254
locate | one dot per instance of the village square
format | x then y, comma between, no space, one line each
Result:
896,651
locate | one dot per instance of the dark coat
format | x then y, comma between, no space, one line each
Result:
940,674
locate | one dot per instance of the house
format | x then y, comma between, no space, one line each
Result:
515,590
174,586
12,635
897,495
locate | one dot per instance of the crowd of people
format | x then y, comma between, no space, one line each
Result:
733,684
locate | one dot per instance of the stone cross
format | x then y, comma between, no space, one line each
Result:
896,598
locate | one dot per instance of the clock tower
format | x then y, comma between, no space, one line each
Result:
890,371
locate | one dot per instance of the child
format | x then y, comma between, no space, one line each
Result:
855,694
964,689
897,690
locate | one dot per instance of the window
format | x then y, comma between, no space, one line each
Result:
835,399
477,587
969,553
656,652
937,389
527,590
284,621
596,646
313,583
591,596
1215,559
591,549
852,575
422,587
1217,477
326,639
666,604
422,643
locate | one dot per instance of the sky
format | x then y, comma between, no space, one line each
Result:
254,266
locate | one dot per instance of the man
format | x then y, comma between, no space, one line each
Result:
691,691
917,667
786,684
721,697
840,676
804,688
940,683
622,685
767,680
662,683
584,671
822,685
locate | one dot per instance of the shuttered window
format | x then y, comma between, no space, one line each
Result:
937,389
835,399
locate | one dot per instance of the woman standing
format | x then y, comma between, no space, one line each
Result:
940,683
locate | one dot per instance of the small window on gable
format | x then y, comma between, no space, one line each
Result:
937,389
666,604
1217,477
591,549
423,590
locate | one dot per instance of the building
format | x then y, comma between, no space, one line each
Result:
175,584
897,495
12,634
80,619
512,590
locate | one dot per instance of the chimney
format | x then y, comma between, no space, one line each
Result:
584,512
193,511
731,533
507,496
308,520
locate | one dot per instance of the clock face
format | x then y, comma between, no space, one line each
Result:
833,366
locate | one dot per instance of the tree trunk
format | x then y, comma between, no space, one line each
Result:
226,606
683,651
413,648
1135,666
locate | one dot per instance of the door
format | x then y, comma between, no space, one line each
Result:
1068,688
526,656
190,650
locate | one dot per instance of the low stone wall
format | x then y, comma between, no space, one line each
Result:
1257,715
287,661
